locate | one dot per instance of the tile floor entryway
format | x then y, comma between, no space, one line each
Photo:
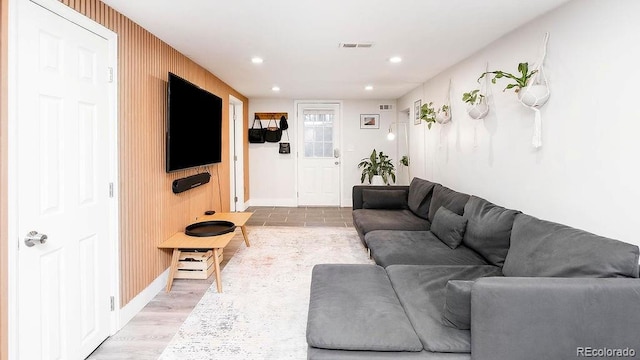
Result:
300,216
151,330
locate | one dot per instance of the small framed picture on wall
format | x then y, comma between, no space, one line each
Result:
369,121
416,112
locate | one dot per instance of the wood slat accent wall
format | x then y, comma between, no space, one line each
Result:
149,211
4,236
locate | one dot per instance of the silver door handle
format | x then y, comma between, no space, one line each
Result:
34,238
337,163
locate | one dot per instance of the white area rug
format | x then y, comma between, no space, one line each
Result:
262,313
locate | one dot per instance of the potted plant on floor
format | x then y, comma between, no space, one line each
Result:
477,106
377,168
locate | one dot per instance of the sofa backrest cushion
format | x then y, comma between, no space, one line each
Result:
545,249
420,192
384,199
450,199
488,229
449,227
457,304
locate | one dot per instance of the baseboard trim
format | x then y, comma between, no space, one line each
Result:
274,202
134,306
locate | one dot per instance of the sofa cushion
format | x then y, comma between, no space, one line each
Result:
457,304
420,193
417,248
452,200
354,307
489,229
449,227
384,199
421,290
544,248
367,220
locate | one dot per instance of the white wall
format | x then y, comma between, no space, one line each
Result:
587,172
273,176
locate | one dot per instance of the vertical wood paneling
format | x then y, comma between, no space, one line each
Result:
149,211
4,235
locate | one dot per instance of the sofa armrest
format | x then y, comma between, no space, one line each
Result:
356,193
554,318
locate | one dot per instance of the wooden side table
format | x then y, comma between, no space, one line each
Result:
182,241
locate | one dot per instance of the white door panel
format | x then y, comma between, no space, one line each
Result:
318,164
63,159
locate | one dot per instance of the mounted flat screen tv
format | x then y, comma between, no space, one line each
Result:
194,126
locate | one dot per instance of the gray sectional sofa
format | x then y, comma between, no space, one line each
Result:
458,277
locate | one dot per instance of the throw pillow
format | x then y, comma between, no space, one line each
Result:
488,229
449,227
452,200
457,304
384,199
420,193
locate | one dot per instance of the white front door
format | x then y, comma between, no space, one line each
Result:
63,186
318,154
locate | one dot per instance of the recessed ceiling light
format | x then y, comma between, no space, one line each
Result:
395,59
257,60
368,87
275,88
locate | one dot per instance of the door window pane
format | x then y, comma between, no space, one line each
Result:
318,133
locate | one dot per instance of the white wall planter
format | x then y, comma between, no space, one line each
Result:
478,111
443,117
534,95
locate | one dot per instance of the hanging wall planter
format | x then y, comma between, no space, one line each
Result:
476,100
443,115
428,114
534,95
477,106
532,88
478,111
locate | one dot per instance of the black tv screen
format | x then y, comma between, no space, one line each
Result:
194,125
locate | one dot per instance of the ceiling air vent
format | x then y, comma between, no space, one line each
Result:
386,107
353,45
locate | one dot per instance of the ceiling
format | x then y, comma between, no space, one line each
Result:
298,40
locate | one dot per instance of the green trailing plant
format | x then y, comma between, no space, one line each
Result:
428,114
404,161
444,109
520,81
377,164
472,97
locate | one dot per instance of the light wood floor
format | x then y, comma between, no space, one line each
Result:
150,331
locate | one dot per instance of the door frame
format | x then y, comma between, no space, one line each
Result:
299,126
236,137
14,238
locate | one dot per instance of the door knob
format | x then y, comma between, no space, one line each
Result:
34,238
337,162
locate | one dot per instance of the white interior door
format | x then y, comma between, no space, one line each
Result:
63,186
236,134
319,154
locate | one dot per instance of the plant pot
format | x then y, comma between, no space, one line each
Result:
443,117
478,111
377,180
534,95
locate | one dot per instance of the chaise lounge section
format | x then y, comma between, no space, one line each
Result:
484,282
